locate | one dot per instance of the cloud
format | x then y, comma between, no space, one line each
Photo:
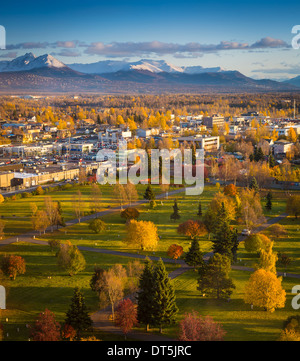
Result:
44,45
293,69
10,55
28,45
66,44
270,43
154,48
193,49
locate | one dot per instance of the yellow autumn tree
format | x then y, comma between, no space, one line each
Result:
268,259
264,290
142,234
292,135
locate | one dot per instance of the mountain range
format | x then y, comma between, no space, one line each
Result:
46,74
154,66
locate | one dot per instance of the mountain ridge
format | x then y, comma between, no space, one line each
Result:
45,73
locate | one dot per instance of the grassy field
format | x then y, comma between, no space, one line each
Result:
35,291
290,245
239,321
17,213
113,237
31,293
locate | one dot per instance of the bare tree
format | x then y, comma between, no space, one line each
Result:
78,205
131,192
120,194
114,288
51,211
96,198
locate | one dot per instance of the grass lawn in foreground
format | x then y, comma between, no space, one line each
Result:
238,320
34,291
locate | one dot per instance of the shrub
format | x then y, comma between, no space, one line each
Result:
12,266
192,229
97,225
130,213
175,251
39,191
256,242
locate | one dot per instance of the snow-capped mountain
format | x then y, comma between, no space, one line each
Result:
29,73
153,66
29,62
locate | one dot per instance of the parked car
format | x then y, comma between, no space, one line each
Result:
246,232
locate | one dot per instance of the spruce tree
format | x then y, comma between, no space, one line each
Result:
224,242
145,296
214,280
258,154
271,161
164,299
253,184
194,257
269,201
175,215
199,210
77,315
149,195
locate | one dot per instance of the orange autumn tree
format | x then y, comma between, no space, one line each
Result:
12,266
192,229
230,190
175,251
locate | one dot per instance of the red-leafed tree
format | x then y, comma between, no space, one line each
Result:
175,251
68,332
46,328
13,265
197,328
126,316
192,229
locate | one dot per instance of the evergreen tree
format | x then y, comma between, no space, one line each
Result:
235,245
164,299
61,220
209,221
253,184
175,215
224,242
149,195
194,257
77,315
193,147
214,280
145,296
271,161
199,210
269,201
258,154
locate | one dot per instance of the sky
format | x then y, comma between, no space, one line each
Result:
253,37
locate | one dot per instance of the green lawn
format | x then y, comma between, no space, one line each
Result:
239,321
31,293
113,237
